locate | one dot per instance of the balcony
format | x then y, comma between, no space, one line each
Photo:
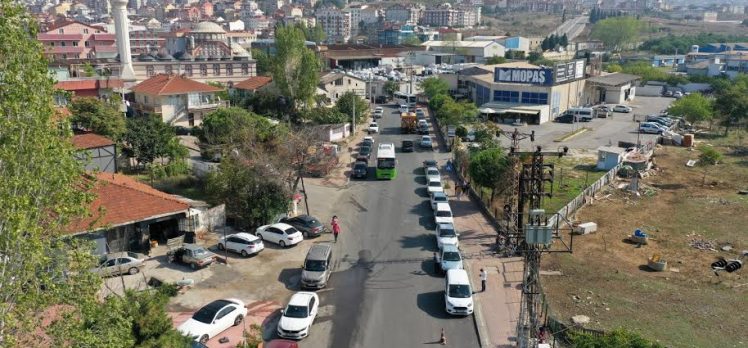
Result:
59,37
147,109
65,49
215,104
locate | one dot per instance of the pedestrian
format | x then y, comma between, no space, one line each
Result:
335,227
466,188
458,192
483,278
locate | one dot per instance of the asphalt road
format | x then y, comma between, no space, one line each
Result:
572,27
385,292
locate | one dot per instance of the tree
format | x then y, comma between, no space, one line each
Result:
434,86
226,128
614,68
694,107
438,101
346,102
264,63
709,157
461,132
496,60
488,168
617,32
619,338
324,115
148,138
98,116
42,190
390,87
295,68
412,40
534,57
513,54
454,113
732,103
563,41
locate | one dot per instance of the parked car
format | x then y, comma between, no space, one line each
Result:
438,197
668,93
651,128
360,170
622,108
446,235
191,254
280,233
365,151
429,163
407,146
298,316
214,318
120,263
309,226
443,213
449,258
403,108
566,118
368,140
582,114
242,243
379,110
281,343
426,142
434,185
373,128
662,122
458,295
380,99
432,173
677,94
423,129
602,111
420,114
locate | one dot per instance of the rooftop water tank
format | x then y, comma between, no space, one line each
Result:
694,48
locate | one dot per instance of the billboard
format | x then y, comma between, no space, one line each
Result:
568,71
543,77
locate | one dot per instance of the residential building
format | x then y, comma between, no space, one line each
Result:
403,13
98,87
75,40
146,41
178,100
371,14
730,65
336,24
356,14
396,34
96,152
442,16
333,85
669,61
251,85
467,51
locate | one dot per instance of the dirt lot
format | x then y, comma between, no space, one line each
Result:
607,279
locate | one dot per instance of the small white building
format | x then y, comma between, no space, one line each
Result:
467,51
178,100
614,88
609,156
333,85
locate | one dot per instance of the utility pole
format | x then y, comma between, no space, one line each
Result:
353,116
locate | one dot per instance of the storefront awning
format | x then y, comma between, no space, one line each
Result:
515,111
487,111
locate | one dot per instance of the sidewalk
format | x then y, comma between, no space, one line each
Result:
341,174
496,309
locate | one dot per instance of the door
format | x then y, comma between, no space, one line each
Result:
274,234
123,265
108,268
232,243
312,309
224,320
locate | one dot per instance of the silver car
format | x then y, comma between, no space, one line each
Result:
120,263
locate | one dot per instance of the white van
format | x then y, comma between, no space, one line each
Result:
582,114
403,108
443,213
458,294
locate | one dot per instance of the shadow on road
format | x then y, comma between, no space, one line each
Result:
432,303
291,278
423,241
422,192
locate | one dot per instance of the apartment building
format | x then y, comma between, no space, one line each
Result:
179,101
409,13
336,24
76,40
446,16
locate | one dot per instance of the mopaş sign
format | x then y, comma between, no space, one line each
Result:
520,75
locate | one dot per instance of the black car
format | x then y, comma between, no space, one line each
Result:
566,118
364,151
380,99
360,170
407,146
423,129
367,142
429,163
308,225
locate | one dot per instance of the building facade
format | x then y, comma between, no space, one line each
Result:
336,24
178,100
403,13
75,40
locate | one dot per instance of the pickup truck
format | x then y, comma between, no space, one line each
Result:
191,254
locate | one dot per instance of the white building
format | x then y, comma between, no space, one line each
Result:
178,100
409,13
333,85
467,51
336,24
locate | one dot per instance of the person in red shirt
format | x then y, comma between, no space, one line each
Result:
335,227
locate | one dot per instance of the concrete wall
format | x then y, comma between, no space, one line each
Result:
650,91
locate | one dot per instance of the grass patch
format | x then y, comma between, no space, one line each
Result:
571,177
183,185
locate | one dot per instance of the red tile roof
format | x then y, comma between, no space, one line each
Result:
254,83
163,84
92,84
121,200
90,141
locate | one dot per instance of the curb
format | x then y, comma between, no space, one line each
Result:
478,321
571,135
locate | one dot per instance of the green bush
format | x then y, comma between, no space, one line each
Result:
619,338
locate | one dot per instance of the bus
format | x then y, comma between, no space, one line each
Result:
386,161
406,99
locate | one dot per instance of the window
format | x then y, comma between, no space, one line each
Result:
167,69
245,69
482,95
87,44
62,43
339,82
75,43
85,31
506,96
203,69
150,71
188,70
61,31
217,69
230,69
52,44
534,98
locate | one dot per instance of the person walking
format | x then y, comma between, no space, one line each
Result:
335,227
458,192
483,278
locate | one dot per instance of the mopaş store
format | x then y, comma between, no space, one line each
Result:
519,92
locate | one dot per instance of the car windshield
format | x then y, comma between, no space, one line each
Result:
440,198
451,256
200,252
459,291
446,232
425,139
296,312
315,265
373,125
289,231
365,150
386,163
435,184
360,166
207,313
433,172
443,213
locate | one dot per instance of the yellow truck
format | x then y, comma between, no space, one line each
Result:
408,122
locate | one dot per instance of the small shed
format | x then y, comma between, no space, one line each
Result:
609,157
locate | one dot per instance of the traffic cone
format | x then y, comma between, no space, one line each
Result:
443,339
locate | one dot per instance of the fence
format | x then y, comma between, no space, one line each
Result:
576,203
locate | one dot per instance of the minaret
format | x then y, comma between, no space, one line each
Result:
119,11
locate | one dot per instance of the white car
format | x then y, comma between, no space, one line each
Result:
214,318
443,214
298,316
438,197
458,295
373,128
432,173
242,243
651,128
403,108
434,185
449,258
280,233
622,108
446,235
426,142
378,110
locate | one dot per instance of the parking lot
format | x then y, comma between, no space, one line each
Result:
604,131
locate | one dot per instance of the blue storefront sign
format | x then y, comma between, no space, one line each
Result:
542,77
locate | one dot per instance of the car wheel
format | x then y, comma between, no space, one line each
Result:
238,320
204,339
244,253
133,270
306,235
193,265
282,244
221,247
261,237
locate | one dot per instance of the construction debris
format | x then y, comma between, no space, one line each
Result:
702,244
580,319
657,263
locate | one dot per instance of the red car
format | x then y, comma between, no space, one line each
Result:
280,343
